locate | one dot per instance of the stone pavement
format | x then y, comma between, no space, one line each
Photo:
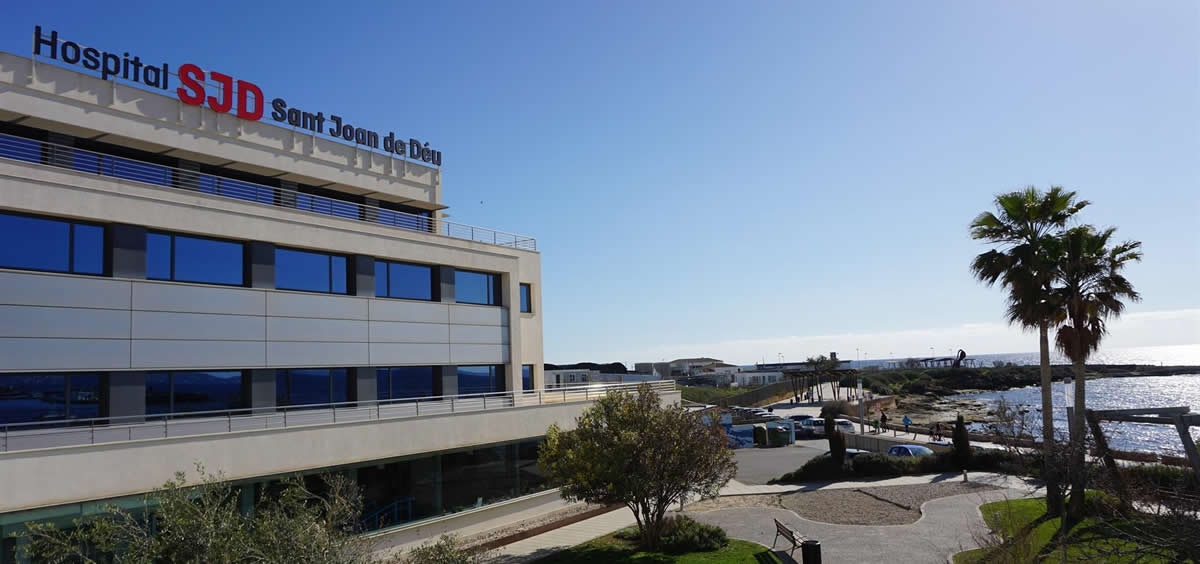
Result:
944,527
549,542
947,525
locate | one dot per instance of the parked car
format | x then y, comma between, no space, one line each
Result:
909,451
799,418
814,427
851,453
844,425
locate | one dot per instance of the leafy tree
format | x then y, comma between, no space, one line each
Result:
631,449
203,523
1091,290
1024,225
962,444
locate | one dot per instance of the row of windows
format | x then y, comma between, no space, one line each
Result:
38,397
37,243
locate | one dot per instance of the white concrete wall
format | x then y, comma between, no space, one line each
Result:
66,322
53,476
80,104
391,327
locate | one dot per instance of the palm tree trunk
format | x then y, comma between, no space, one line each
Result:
1078,472
1054,501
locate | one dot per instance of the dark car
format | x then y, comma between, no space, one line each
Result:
799,418
909,451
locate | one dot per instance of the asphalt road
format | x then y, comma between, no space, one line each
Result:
757,465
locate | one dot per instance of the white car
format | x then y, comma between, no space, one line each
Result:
844,425
814,427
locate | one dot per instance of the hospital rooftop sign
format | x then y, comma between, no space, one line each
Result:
249,102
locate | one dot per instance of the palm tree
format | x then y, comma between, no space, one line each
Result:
1024,222
1091,291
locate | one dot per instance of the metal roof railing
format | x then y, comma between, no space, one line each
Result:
90,162
99,430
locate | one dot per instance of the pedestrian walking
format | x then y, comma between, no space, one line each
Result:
907,422
883,420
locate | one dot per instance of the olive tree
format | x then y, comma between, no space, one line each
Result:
630,449
204,522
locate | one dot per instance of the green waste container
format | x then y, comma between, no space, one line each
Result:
760,435
779,436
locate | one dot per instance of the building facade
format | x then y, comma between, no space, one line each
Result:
181,285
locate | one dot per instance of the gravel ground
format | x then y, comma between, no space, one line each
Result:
890,505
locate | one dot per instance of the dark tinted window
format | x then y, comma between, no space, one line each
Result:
308,386
480,379
403,280
181,392
526,298
310,271
38,243
404,382
527,377
194,259
26,398
476,287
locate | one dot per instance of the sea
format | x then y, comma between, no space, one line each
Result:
1107,393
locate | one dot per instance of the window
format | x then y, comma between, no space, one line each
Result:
476,287
194,259
403,280
311,386
526,298
527,377
37,243
480,379
310,271
404,382
26,398
182,392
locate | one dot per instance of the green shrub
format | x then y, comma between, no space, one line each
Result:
446,550
685,535
628,534
1160,476
876,464
818,469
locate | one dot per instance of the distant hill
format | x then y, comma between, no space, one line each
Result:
610,368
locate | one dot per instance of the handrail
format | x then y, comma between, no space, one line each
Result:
23,149
98,430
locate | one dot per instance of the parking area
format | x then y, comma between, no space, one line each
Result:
758,465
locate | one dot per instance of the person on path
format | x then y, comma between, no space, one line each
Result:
883,421
907,422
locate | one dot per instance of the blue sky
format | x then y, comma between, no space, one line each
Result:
745,180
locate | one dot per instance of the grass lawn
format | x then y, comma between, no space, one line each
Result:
1028,535
609,549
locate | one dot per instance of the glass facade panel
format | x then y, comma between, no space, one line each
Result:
409,490
526,298
403,280
38,243
404,382
527,377
186,391
194,259
310,271
480,379
30,398
88,251
311,386
208,261
476,287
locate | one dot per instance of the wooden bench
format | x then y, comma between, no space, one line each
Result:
791,535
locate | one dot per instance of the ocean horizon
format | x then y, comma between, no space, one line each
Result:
1160,355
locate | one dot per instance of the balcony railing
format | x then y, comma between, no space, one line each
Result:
73,432
91,162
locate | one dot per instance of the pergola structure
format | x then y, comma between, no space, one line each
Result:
1181,417
810,379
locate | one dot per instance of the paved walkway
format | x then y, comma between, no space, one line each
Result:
945,526
948,525
549,542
